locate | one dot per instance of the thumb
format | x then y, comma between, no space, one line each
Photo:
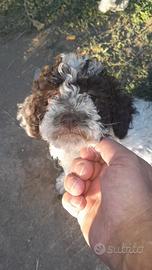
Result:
109,149
103,151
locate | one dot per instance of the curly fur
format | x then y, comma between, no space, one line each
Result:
113,105
80,89
32,110
31,113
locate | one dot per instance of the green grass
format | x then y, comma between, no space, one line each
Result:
122,40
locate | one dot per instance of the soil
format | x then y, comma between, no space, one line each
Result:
35,231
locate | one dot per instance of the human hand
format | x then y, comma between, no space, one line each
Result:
109,192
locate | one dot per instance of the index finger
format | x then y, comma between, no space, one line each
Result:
85,169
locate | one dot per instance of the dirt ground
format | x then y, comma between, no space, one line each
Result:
36,233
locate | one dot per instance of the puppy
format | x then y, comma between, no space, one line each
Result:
75,103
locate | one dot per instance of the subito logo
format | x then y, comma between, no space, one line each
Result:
99,249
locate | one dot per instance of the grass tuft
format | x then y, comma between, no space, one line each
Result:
122,40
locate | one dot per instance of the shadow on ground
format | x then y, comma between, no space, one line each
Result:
35,231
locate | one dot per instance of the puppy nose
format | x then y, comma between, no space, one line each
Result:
69,120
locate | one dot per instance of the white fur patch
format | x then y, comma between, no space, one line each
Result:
106,5
60,183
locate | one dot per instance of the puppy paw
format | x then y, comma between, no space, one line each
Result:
60,183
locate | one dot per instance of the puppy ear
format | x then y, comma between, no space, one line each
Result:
30,113
122,111
119,106
113,105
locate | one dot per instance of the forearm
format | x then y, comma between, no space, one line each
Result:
141,256
130,246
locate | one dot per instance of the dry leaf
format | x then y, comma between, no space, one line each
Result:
71,37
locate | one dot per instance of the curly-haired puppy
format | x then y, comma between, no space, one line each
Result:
75,103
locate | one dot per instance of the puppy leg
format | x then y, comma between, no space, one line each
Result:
60,183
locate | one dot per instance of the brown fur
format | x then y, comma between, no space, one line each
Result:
32,110
113,105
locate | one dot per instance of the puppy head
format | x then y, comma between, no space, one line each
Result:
72,116
75,100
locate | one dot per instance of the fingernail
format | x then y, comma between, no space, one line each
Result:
77,187
80,169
